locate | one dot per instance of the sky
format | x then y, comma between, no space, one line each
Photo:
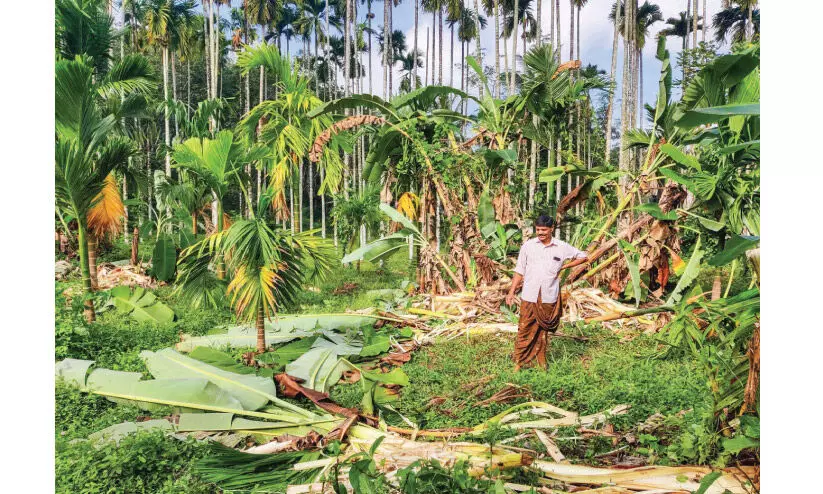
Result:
596,40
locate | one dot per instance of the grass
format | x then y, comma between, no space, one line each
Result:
585,377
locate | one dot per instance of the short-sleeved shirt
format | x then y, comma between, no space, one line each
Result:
540,264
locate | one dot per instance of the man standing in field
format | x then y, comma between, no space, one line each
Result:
538,268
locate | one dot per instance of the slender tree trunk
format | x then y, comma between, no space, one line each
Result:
188,87
612,78
440,47
135,240
83,254
323,203
311,196
414,64
508,76
512,74
578,33
571,29
640,121
166,110
477,42
207,50
557,27
688,13
260,325
174,92
749,23
705,21
428,64
694,24
126,208
451,57
497,49
92,246
386,48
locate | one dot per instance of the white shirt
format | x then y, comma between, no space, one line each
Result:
539,264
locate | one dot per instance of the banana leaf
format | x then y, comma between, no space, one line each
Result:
73,371
689,275
164,259
735,247
319,368
223,361
704,116
654,210
630,254
286,353
141,304
339,343
253,392
189,422
377,345
189,342
396,376
188,395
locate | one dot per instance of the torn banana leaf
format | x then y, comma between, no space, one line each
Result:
240,339
253,392
286,353
183,394
319,368
223,361
73,371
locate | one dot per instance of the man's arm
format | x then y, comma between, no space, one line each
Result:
516,281
519,271
579,257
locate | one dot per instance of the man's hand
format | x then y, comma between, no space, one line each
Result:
576,262
510,298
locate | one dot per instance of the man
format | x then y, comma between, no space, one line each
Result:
538,267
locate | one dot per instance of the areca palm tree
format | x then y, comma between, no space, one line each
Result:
735,22
267,266
525,19
679,26
163,20
492,8
87,148
409,63
83,27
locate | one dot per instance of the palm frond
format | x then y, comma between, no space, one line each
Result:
106,214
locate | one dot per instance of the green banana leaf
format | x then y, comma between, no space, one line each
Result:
286,353
164,259
223,361
689,275
141,304
630,254
679,156
189,343
377,345
704,116
341,345
654,210
73,371
187,395
396,376
253,392
735,247
190,422
319,368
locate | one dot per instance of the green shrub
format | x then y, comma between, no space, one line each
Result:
145,462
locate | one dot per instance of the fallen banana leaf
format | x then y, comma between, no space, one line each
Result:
189,343
141,304
184,394
73,371
221,360
229,422
510,416
287,353
319,368
253,392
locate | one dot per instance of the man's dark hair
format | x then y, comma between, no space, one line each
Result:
544,220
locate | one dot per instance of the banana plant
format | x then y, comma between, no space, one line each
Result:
383,247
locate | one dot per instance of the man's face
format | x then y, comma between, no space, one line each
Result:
544,233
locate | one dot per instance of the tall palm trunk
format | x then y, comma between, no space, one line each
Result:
126,208
571,29
451,57
506,63
322,204
414,64
612,75
440,47
477,41
82,243
166,110
92,246
135,237
557,26
749,21
705,21
386,47
686,34
515,15
694,24
428,64
260,326
497,49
